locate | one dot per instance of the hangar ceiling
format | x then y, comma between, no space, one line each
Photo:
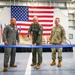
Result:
41,0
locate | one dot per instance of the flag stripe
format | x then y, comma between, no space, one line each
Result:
46,34
44,16
42,20
42,7
40,14
22,24
40,11
27,29
44,27
39,22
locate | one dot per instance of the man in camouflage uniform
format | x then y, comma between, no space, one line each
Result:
57,37
10,37
36,30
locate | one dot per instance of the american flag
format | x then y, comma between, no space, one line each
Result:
24,16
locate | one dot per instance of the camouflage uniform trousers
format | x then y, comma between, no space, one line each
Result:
59,50
37,56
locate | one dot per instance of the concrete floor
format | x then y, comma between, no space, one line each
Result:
23,61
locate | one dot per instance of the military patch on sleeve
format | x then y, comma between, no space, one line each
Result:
40,30
41,27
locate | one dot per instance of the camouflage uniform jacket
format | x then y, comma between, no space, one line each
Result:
57,35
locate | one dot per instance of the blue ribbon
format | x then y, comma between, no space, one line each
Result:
39,46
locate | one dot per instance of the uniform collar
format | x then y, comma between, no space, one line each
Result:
12,25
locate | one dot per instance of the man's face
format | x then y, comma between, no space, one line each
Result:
35,20
57,21
13,21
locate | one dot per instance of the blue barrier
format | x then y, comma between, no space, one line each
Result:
41,46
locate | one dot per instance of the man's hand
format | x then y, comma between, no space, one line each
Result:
34,44
17,43
50,42
62,43
5,42
29,37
